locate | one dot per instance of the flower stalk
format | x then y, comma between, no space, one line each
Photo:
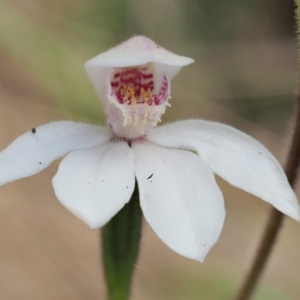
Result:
276,218
120,248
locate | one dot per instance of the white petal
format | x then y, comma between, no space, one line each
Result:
94,184
34,151
180,198
235,156
138,50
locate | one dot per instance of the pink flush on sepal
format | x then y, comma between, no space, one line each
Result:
136,76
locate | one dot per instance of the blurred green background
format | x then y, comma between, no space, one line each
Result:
244,75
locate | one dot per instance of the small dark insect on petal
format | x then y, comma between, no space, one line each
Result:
40,163
33,130
150,176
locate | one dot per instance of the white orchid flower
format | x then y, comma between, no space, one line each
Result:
173,164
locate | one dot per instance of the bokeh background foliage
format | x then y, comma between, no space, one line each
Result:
244,75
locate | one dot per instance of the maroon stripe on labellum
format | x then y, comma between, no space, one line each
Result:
147,76
127,81
163,94
118,96
148,87
115,84
147,83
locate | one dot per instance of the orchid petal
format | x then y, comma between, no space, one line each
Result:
36,149
136,51
180,198
94,184
236,157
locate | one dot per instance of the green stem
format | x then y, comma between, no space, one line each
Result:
276,218
120,244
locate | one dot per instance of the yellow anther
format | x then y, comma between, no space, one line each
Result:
146,95
129,92
168,104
